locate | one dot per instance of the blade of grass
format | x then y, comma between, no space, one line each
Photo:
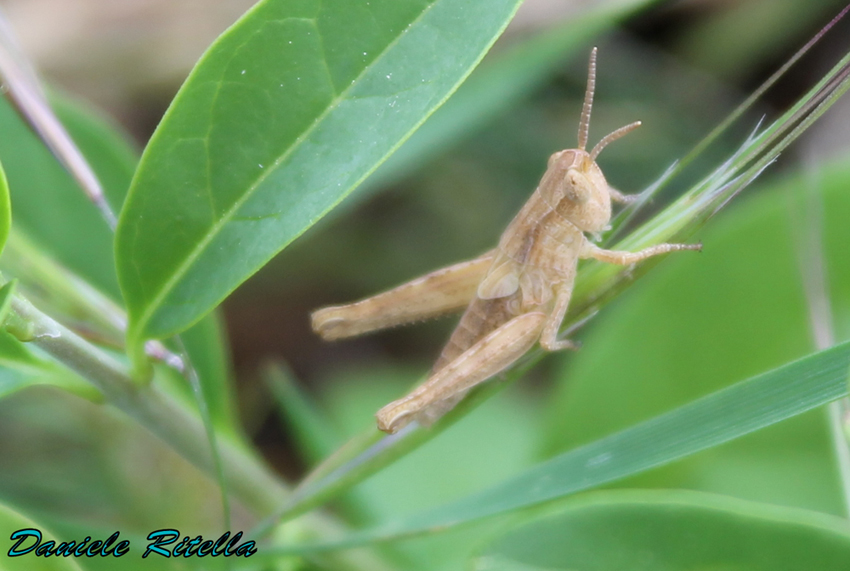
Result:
597,282
756,95
313,432
743,408
626,215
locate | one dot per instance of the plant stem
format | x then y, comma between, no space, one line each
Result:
251,482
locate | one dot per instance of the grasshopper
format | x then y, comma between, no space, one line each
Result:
515,295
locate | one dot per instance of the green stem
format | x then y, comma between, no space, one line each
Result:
251,482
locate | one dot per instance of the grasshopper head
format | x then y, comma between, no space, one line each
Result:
576,189
574,185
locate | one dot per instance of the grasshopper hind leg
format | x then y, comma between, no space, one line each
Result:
431,295
445,387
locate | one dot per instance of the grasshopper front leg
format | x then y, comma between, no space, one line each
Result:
618,196
590,250
444,388
442,291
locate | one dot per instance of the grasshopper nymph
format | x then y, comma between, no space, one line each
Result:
515,295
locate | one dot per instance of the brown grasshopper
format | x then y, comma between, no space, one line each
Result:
514,295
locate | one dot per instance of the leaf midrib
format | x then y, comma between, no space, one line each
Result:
183,268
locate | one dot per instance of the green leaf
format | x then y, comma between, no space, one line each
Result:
672,531
10,522
712,420
287,112
5,209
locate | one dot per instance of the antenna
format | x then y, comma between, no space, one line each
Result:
584,124
612,137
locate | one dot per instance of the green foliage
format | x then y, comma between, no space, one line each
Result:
739,410
672,530
11,520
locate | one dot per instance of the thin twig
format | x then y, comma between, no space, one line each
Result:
23,90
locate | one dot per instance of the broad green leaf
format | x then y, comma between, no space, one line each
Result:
285,114
672,531
10,522
707,422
